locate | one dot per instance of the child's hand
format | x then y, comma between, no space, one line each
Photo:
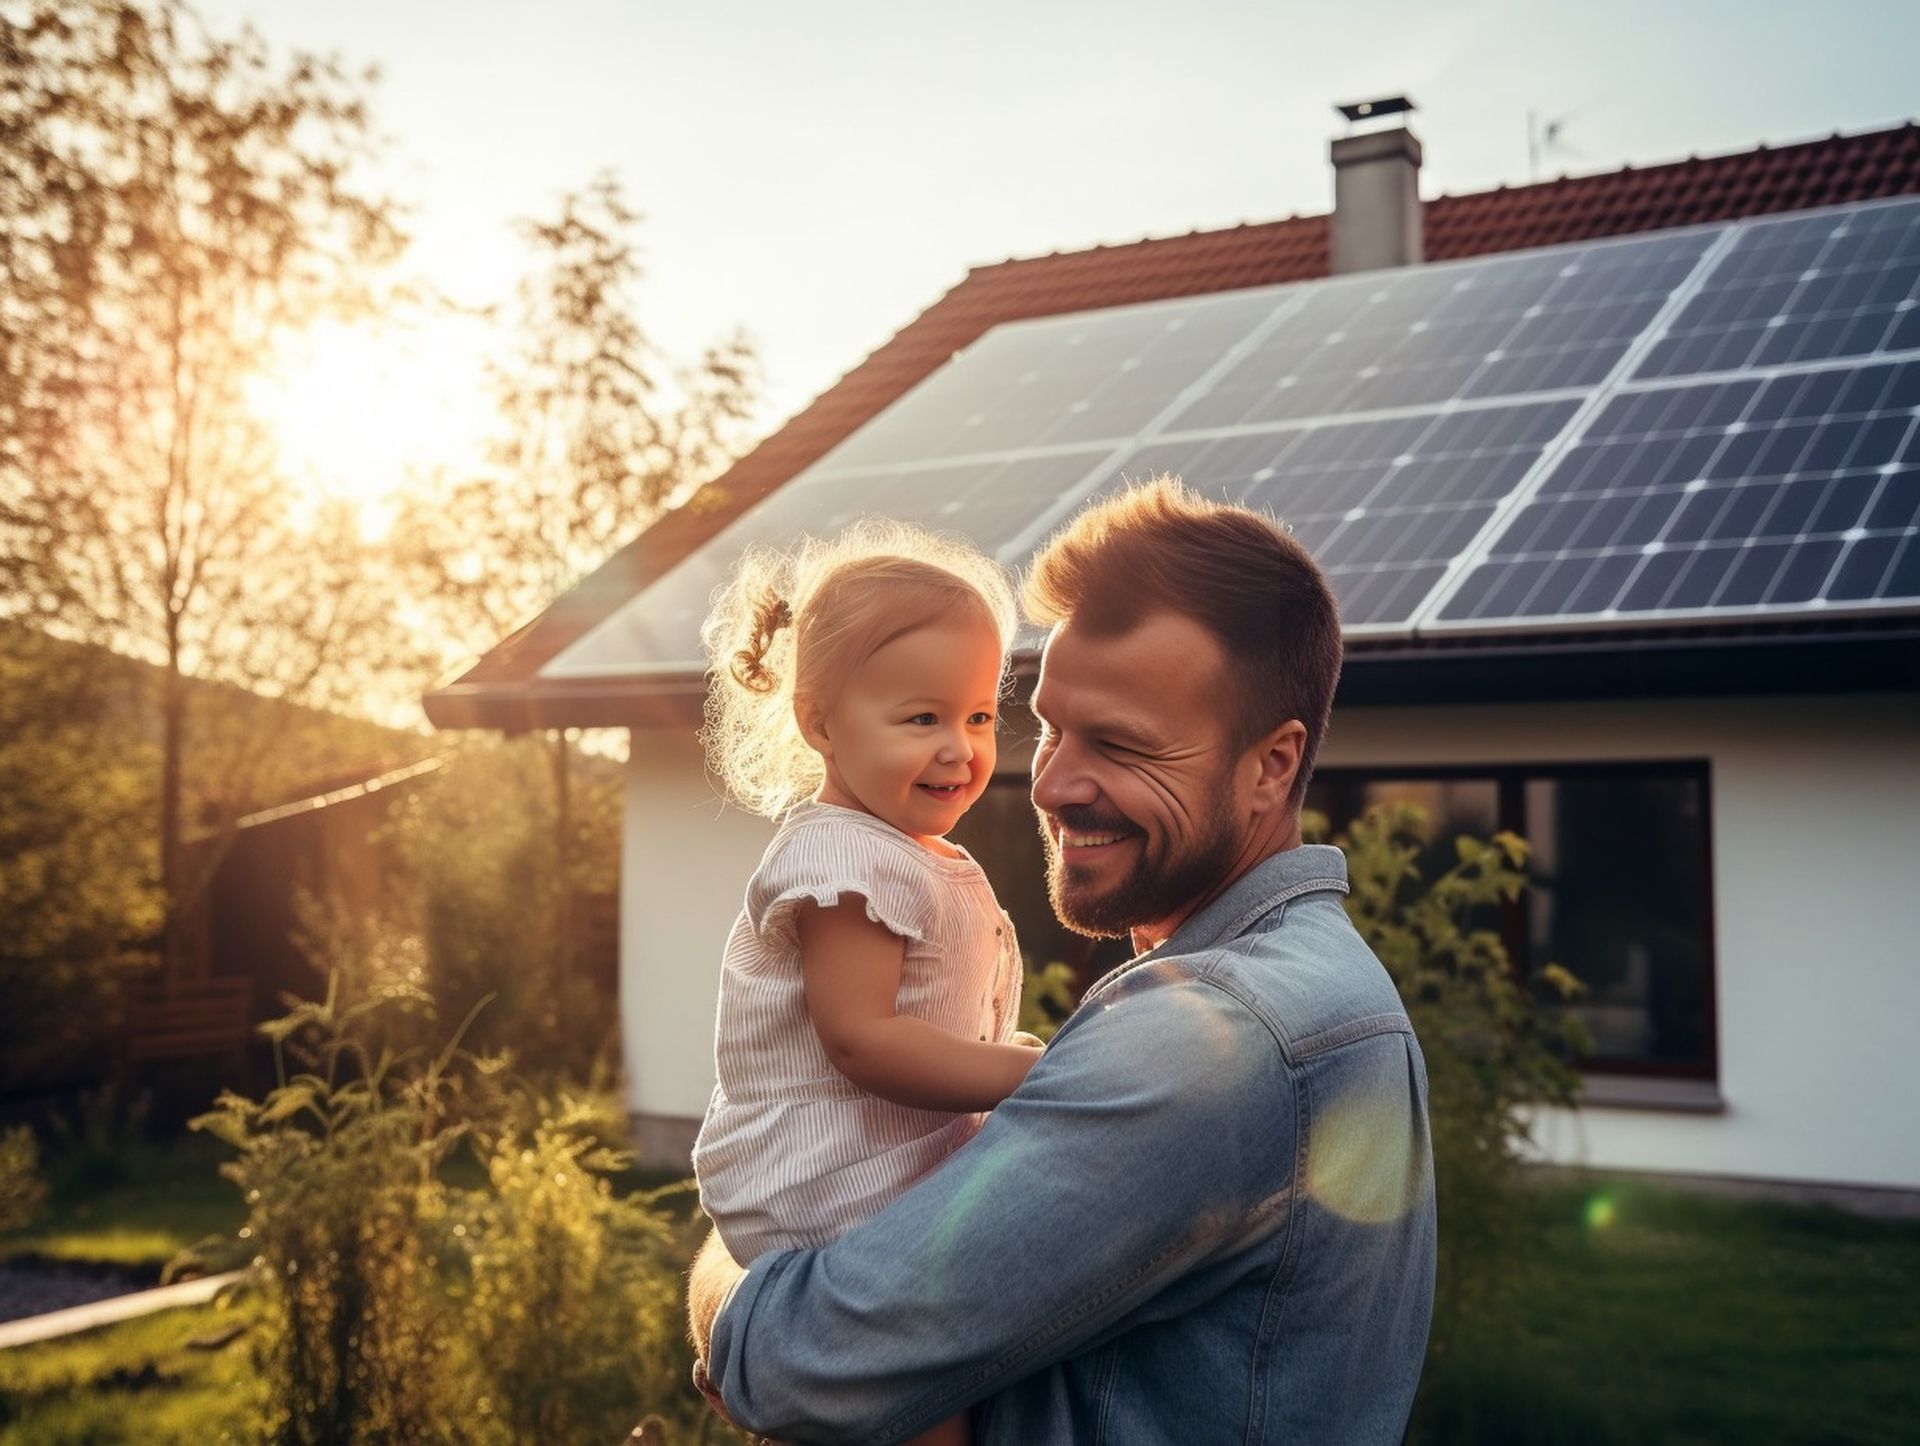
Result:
1031,1041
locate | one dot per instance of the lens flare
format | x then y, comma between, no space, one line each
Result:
1600,1211
1362,1161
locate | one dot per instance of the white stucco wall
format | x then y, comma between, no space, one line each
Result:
1816,879
1816,830
684,864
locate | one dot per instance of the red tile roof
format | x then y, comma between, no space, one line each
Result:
500,690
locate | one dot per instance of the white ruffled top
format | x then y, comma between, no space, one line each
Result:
792,1153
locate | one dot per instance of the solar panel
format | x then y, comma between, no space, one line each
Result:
1383,505
1799,289
1506,326
1695,424
1738,498
987,500
1068,380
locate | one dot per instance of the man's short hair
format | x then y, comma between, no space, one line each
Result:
1239,574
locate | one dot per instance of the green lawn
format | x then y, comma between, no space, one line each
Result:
1640,1315
141,1380
164,1200
1644,1315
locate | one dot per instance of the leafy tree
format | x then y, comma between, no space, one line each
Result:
475,874
75,887
173,206
598,434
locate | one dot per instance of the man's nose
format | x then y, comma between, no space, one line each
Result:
1059,780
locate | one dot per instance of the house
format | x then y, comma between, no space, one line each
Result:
277,796
1618,480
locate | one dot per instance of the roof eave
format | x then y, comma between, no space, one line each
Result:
1698,663
513,708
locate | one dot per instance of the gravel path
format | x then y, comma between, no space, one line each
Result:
33,1287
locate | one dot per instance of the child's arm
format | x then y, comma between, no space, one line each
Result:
851,967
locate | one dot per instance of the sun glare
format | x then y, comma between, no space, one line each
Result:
360,411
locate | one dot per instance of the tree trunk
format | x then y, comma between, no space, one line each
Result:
173,719
563,864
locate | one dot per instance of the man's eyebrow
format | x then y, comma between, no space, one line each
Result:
1117,727
1125,732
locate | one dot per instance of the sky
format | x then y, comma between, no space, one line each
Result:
819,174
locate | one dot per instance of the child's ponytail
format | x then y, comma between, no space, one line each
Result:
771,613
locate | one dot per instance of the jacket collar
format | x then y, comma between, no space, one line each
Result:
1308,869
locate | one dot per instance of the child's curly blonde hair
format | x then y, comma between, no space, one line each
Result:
792,625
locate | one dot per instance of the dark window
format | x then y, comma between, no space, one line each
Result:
1619,888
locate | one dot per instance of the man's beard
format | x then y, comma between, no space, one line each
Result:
1160,884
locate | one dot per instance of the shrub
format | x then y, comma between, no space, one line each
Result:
338,1166
78,865
1495,1043
575,1306
22,1191
102,1141
406,1300
1047,998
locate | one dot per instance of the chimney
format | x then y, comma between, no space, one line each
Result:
1376,192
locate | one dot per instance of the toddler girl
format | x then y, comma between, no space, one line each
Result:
871,983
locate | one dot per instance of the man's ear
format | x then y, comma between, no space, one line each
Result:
812,719
1278,757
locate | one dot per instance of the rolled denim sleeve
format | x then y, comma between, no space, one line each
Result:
1158,1132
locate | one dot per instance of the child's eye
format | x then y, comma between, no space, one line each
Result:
923,718
981,720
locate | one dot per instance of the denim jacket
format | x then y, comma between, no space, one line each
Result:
1206,1216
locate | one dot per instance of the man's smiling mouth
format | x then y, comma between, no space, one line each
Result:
1085,835
1072,839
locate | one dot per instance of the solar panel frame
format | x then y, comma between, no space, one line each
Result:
1554,262
595,654
1488,326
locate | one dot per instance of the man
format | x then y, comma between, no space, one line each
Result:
1207,1215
